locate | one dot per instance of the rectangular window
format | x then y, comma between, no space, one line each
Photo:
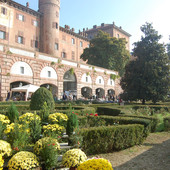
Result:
35,23
49,73
56,46
100,81
3,11
117,35
21,17
63,55
110,82
73,41
20,40
86,79
22,70
81,44
56,25
2,35
36,44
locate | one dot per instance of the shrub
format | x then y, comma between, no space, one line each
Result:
44,112
12,113
49,154
112,138
108,111
35,128
23,160
167,123
17,135
5,149
41,96
3,122
96,163
39,145
73,158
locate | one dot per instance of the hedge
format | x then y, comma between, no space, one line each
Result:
115,120
112,138
167,123
108,111
153,124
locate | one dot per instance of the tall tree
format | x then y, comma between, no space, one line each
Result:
147,77
168,50
107,52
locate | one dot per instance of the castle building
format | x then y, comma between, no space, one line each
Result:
34,49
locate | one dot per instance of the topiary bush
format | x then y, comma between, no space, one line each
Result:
41,96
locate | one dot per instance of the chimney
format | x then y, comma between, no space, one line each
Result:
72,29
102,24
113,23
27,5
94,26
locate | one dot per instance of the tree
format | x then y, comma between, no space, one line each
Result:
107,52
147,77
168,50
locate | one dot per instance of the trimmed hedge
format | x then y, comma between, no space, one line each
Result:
115,120
108,111
167,123
153,124
112,138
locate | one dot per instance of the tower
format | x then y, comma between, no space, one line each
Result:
49,34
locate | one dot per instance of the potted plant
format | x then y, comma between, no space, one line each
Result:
73,158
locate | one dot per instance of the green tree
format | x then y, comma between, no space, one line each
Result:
168,50
107,52
147,77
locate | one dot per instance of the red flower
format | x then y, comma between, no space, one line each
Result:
91,114
76,113
59,136
53,144
87,114
78,143
48,144
72,112
96,114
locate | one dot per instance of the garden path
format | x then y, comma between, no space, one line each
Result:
153,154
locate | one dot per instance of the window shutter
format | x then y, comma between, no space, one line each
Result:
16,38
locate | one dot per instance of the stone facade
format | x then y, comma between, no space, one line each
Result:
35,49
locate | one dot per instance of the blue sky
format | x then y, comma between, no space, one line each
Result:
130,14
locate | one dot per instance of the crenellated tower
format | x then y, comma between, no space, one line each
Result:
50,10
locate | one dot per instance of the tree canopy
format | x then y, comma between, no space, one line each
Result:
107,52
147,77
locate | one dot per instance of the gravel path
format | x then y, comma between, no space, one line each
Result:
154,154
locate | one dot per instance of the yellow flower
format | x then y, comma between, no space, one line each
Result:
23,160
4,119
96,163
73,158
28,117
5,148
59,118
1,162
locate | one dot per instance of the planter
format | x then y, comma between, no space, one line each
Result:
73,168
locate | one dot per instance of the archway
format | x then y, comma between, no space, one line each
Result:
100,93
52,88
17,96
111,94
86,92
70,82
